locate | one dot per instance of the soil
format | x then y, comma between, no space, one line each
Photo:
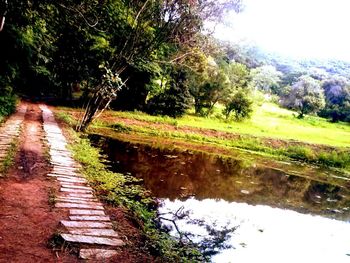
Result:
26,219
28,222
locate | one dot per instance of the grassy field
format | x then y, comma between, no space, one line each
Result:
268,120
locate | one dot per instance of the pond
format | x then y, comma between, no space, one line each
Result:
277,212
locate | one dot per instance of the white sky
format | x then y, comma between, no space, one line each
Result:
298,28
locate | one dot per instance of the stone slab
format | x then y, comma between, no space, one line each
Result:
100,232
82,187
65,168
83,202
89,218
86,212
63,160
67,194
67,175
73,190
68,184
64,172
73,172
71,183
63,198
92,240
74,205
96,254
72,180
63,163
61,175
86,224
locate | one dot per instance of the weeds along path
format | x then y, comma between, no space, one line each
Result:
26,219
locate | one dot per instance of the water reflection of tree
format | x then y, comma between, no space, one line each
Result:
210,244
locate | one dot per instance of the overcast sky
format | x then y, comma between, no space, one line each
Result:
298,28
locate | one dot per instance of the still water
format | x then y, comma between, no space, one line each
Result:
279,212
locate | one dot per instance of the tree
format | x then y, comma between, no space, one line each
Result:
3,11
240,105
318,73
238,75
148,31
305,96
337,94
101,98
208,89
174,100
266,78
51,46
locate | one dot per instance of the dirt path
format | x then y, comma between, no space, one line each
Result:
26,219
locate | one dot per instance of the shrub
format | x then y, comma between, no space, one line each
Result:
7,101
172,102
305,96
240,105
300,153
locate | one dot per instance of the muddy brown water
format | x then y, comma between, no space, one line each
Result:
282,212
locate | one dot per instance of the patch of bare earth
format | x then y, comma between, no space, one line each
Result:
26,219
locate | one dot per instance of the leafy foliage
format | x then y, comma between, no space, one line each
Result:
305,96
266,78
103,94
174,101
7,101
337,94
240,105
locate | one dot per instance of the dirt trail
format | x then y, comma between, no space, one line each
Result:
26,219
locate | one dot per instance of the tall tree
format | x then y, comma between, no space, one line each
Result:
149,30
266,78
305,96
337,94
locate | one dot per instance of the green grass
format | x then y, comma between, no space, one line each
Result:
268,120
9,158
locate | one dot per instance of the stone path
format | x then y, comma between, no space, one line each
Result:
11,130
87,225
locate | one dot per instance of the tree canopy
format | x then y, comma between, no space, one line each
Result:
305,96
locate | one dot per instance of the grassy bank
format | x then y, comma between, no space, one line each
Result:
272,132
124,191
268,120
332,158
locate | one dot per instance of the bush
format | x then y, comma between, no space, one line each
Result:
305,96
300,153
172,102
334,159
337,94
7,101
240,105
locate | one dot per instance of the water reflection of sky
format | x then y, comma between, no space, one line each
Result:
267,234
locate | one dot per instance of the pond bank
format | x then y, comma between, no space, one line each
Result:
129,124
